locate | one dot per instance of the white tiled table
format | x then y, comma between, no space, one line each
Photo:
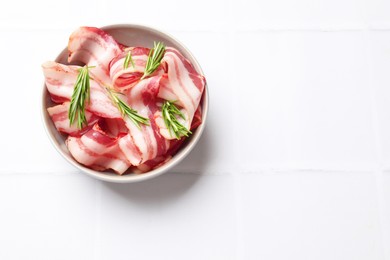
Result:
294,162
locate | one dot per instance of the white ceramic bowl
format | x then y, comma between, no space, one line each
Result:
131,35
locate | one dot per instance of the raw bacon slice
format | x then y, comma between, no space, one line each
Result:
60,80
143,143
154,163
98,151
59,115
182,84
94,47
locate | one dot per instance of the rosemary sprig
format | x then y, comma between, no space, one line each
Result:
154,58
125,109
81,94
170,114
128,59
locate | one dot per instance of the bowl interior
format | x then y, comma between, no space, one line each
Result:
130,35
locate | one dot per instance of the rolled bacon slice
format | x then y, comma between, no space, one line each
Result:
181,84
94,47
97,150
125,78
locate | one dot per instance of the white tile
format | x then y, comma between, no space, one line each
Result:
201,14
303,101
380,81
47,216
385,182
48,14
378,13
298,14
175,216
310,216
214,152
23,134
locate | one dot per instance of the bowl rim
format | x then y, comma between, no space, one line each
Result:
177,158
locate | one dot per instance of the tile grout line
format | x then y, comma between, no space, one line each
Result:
384,230
259,170
378,172
223,27
236,177
238,214
97,225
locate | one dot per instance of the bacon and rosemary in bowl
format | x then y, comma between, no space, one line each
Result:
120,108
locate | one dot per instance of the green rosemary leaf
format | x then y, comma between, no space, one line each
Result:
80,95
128,59
154,58
126,110
170,114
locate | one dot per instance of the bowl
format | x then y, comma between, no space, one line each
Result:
131,35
